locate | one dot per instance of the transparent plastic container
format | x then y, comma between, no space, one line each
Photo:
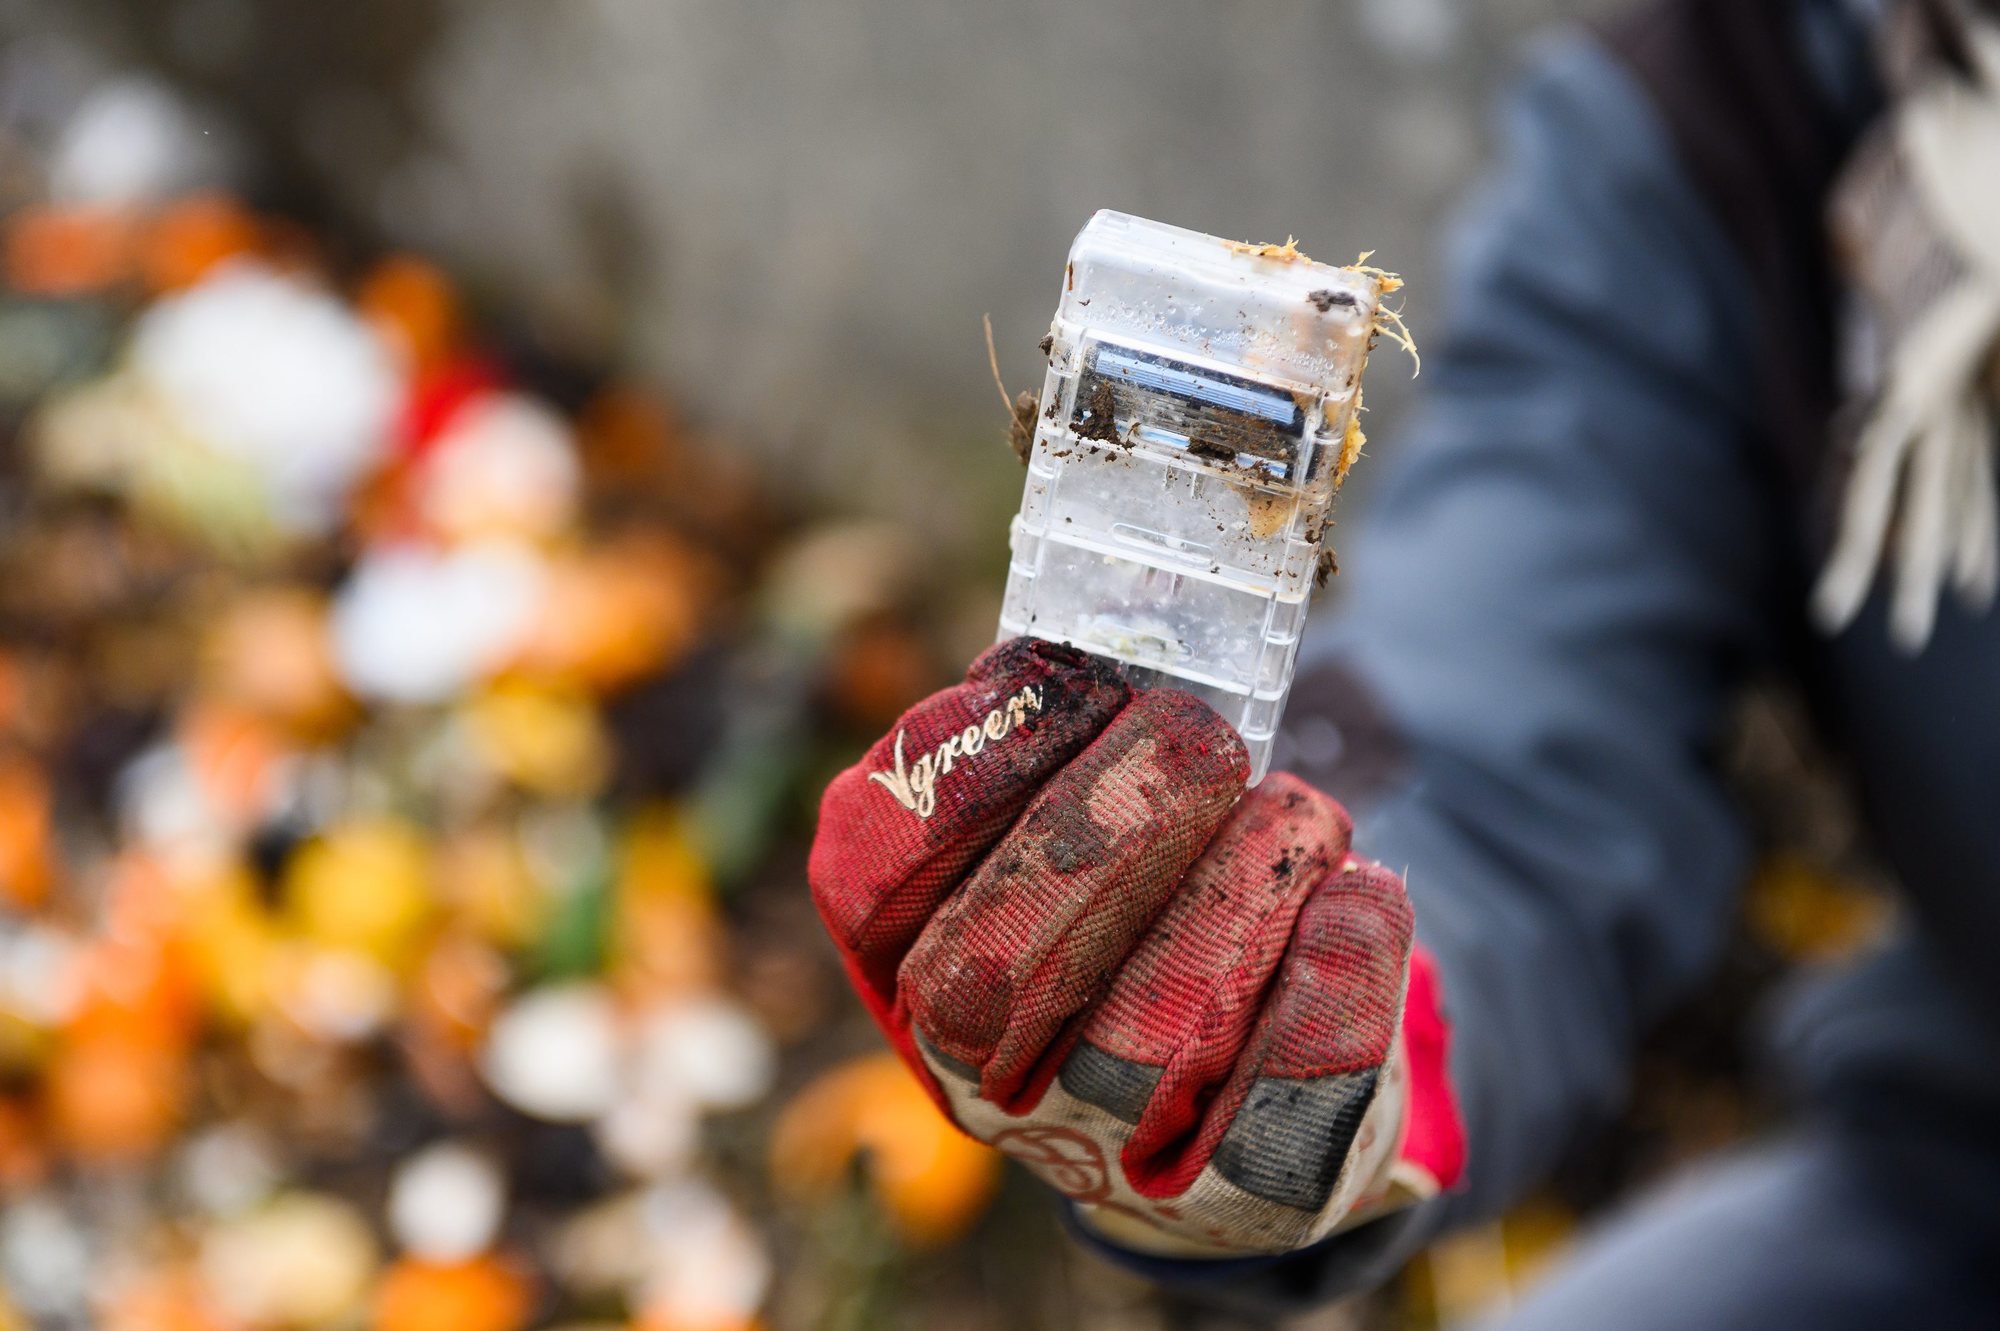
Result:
1193,431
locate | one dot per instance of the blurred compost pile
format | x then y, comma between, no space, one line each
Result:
406,742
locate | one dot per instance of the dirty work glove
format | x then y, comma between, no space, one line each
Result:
1181,1005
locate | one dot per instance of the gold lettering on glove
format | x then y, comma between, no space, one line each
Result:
915,788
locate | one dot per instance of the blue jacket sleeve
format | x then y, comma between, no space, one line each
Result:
1566,569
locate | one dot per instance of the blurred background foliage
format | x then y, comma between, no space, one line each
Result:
470,473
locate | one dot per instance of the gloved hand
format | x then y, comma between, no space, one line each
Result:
1178,1004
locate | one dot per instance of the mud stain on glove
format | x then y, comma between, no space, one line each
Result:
1039,928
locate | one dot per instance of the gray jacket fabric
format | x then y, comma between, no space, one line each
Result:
1575,560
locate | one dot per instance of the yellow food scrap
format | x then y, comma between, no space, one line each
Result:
1284,253
1351,442
1386,280
1389,323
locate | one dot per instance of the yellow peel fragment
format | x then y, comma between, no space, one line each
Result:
1351,442
1389,323
1284,253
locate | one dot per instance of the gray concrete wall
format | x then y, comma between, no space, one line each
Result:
822,196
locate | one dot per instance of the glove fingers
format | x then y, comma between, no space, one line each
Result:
1053,911
1291,1113
1175,1022
900,828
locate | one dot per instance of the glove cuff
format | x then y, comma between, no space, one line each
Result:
1433,1148
1430,1157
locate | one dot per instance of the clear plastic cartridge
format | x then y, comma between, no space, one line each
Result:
1197,419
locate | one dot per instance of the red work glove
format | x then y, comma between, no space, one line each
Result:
1179,1004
